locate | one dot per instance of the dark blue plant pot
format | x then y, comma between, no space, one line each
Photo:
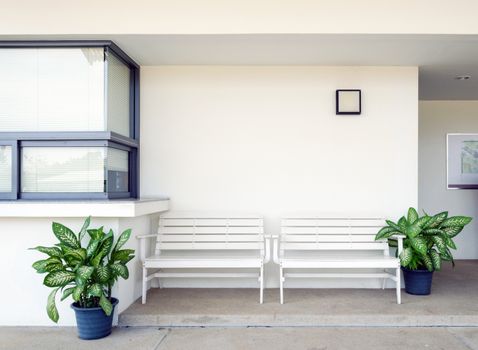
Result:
92,322
417,282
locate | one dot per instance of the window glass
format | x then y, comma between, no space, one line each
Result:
52,89
118,90
63,169
117,170
5,168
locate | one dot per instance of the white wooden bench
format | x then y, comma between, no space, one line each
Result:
216,242
315,242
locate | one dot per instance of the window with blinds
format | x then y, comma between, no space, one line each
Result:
68,120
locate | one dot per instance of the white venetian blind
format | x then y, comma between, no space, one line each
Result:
118,96
52,89
63,169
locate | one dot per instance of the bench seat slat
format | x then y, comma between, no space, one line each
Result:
210,222
210,230
211,246
209,238
324,222
334,246
304,230
328,238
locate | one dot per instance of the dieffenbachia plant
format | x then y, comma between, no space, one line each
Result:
427,239
88,271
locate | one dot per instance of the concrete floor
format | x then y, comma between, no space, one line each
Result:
453,302
310,319
138,338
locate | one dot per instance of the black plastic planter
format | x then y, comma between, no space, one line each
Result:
417,282
92,322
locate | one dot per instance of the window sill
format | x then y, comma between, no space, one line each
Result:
83,208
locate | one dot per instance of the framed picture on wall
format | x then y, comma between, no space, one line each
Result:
462,161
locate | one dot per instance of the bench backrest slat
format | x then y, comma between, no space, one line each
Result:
323,233
205,232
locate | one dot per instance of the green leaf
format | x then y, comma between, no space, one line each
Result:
452,231
413,230
77,254
50,251
436,220
448,241
419,244
96,234
432,231
412,215
65,235
120,270
83,229
84,272
123,238
440,243
436,259
123,255
106,305
406,256
394,225
40,266
107,243
97,260
67,292
95,290
77,292
423,221
92,246
402,223
103,274
51,309
427,260
456,221
58,278
384,231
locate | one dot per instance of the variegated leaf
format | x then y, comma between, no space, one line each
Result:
412,215
65,235
456,221
419,244
58,278
105,304
51,309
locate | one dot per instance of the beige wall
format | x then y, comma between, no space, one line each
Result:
437,118
266,139
238,16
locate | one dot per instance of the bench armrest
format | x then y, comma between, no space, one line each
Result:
399,239
267,242
275,250
142,245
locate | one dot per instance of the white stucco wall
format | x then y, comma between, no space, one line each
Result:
23,296
266,139
437,118
238,16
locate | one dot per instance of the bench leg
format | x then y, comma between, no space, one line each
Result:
261,280
145,285
281,281
399,287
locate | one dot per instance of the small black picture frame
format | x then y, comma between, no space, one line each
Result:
348,102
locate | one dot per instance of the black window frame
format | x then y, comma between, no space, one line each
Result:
79,138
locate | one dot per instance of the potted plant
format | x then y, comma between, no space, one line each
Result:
427,241
85,266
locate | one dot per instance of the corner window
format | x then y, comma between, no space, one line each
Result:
69,121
